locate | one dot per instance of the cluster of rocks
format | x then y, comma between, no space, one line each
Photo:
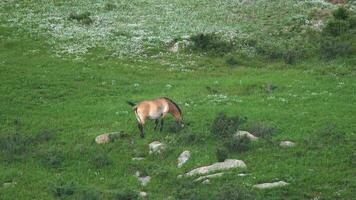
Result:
205,173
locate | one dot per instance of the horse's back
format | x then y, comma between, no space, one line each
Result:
153,109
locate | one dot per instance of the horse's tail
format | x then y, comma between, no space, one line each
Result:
131,103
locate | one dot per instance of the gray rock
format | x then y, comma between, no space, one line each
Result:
227,164
143,194
108,137
240,134
156,147
271,185
9,184
209,176
137,158
143,179
183,158
287,144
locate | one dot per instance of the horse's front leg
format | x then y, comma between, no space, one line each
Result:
140,127
161,127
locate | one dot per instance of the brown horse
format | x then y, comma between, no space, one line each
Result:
156,109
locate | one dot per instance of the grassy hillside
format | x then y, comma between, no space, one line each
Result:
66,75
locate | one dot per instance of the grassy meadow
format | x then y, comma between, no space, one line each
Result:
67,69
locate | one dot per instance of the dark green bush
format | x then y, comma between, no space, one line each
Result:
341,13
84,17
232,192
232,61
190,138
14,146
332,47
187,190
173,127
224,126
238,144
61,188
100,160
127,194
89,194
210,42
221,154
260,129
336,27
110,6
52,157
290,56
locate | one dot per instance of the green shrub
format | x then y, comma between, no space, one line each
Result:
260,129
190,138
110,6
332,47
52,157
221,154
224,126
341,13
336,27
290,56
232,61
210,42
238,144
100,160
127,194
14,146
232,192
89,194
84,17
61,188
186,190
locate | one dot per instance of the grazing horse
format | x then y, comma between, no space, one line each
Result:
156,109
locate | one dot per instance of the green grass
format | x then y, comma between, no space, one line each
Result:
75,99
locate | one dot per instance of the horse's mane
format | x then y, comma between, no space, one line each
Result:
174,103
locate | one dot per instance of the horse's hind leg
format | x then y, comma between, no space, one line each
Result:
156,124
140,127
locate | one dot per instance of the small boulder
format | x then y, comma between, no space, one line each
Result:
156,147
240,134
103,138
209,176
270,185
9,184
143,194
109,137
287,144
143,179
227,164
183,158
207,181
137,158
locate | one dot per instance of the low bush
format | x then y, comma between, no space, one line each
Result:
110,6
232,192
84,17
190,138
52,157
260,129
221,154
127,194
224,126
210,42
89,194
333,47
100,160
62,189
238,144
